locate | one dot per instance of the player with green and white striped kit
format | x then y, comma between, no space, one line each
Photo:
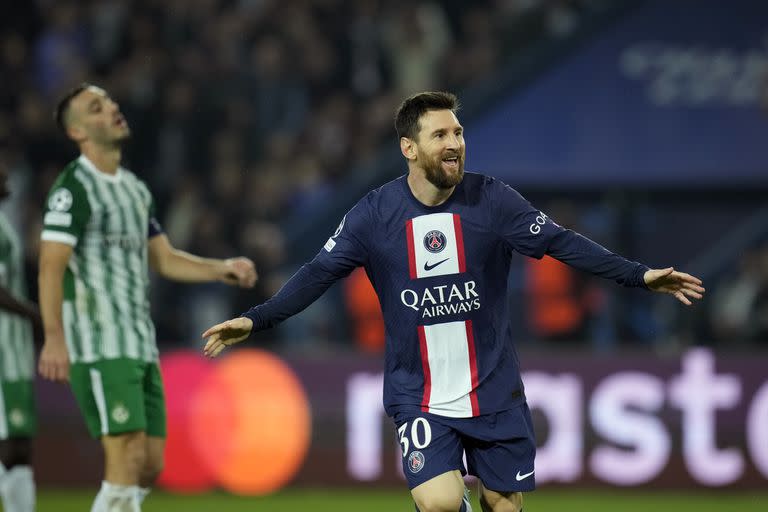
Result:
105,310
99,240
17,404
17,353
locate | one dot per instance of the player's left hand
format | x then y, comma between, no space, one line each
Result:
679,284
239,272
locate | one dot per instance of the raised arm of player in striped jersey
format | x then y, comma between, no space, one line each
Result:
178,265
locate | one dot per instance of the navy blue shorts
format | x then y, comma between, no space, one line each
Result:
500,447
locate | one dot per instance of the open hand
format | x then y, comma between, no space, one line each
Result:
228,333
679,284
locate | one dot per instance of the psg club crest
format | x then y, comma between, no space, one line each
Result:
416,461
434,241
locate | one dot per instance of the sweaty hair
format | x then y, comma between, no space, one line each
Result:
62,107
410,111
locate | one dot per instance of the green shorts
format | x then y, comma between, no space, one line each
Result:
17,409
119,395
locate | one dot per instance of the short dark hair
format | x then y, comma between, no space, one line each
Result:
62,107
412,108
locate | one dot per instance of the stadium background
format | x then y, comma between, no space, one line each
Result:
257,123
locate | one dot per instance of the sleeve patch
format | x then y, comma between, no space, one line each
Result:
58,236
60,201
330,244
56,218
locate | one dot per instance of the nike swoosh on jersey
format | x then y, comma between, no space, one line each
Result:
519,477
428,267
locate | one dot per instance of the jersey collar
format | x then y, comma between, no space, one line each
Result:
440,207
90,167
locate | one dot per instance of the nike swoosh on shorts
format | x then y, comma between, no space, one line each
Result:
519,477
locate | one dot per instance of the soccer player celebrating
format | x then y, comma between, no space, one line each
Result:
99,237
17,370
437,245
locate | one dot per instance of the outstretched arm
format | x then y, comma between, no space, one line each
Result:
301,290
580,252
342,253
531,232
177,265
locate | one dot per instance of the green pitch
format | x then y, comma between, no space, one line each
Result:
358,500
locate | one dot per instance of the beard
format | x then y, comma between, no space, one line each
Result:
109,136
440,178
118,139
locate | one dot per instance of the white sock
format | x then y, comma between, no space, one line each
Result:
17,489
116,498
142,492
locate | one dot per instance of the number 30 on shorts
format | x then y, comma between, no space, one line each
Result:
421,435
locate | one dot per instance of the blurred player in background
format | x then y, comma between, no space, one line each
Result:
99,238
437,245
17,371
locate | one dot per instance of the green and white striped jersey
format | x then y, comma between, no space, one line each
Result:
17,354
105,218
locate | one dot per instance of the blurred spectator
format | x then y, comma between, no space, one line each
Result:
365,312
416,36
367,73
62,50
561,302
739,306
556,303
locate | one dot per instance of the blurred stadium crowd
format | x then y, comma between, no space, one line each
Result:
247,113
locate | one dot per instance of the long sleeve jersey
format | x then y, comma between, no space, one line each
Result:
441,277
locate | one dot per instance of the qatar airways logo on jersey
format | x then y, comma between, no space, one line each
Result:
436,301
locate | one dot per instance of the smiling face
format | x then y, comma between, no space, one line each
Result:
439,148
93,117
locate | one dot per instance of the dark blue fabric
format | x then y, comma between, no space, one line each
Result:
500,448
496,222
154,228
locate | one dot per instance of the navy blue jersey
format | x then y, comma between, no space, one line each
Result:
441,277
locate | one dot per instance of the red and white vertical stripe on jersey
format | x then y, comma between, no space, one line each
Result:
425,367
459,242
411,254
449,361
449,259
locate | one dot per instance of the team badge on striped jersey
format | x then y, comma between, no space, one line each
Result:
434,241
60,201
435,245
